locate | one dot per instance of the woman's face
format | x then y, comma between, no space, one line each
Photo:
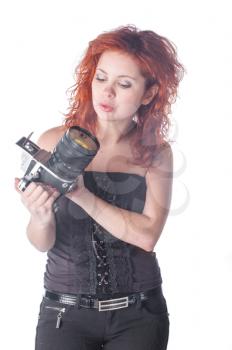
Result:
118,88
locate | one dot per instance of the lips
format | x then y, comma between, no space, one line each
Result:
106,108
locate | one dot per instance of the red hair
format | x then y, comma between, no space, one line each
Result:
157,59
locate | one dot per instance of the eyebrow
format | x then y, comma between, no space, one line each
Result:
119,76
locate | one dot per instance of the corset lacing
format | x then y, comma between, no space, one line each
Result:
98,239
102,266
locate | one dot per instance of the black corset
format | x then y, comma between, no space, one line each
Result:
86,258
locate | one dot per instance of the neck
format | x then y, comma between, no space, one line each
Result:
113,132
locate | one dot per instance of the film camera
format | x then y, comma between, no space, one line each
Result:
60,168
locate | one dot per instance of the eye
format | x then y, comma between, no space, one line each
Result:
125,85
100,77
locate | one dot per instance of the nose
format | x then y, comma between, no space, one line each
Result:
109,91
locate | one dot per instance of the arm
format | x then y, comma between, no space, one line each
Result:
142,230
41,227
42,237
39,199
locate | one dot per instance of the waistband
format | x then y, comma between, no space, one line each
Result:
87,301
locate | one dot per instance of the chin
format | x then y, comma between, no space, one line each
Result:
105,116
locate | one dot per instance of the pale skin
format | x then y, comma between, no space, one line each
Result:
119,84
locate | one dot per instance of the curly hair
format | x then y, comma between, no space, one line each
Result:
156,57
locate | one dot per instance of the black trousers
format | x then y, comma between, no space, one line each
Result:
141,326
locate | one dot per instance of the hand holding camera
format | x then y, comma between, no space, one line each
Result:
39,198
61,168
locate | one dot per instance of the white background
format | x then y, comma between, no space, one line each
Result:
41,43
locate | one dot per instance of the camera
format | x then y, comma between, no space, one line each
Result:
60,168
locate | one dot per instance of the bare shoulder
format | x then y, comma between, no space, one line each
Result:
51,137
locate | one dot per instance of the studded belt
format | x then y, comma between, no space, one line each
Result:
85,301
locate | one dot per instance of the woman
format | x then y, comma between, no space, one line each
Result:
101,237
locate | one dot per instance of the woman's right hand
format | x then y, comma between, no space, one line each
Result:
38,198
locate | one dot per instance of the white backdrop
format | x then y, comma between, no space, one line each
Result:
41,43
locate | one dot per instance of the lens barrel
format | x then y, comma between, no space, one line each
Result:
73,153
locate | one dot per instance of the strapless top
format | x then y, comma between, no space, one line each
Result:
88,259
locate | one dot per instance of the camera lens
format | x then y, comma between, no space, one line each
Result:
82,139
73,153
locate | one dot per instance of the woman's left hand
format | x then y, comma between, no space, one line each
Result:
78,191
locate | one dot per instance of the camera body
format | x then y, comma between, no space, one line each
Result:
60,168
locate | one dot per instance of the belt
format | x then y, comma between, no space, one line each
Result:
85,301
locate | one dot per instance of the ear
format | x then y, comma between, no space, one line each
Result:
149,94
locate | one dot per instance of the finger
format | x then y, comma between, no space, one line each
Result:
49,189
33,191
41,199
48,196
52,199
43,203
16,182
34,196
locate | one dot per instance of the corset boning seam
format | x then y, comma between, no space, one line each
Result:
92,260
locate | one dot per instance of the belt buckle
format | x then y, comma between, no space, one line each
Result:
113,304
